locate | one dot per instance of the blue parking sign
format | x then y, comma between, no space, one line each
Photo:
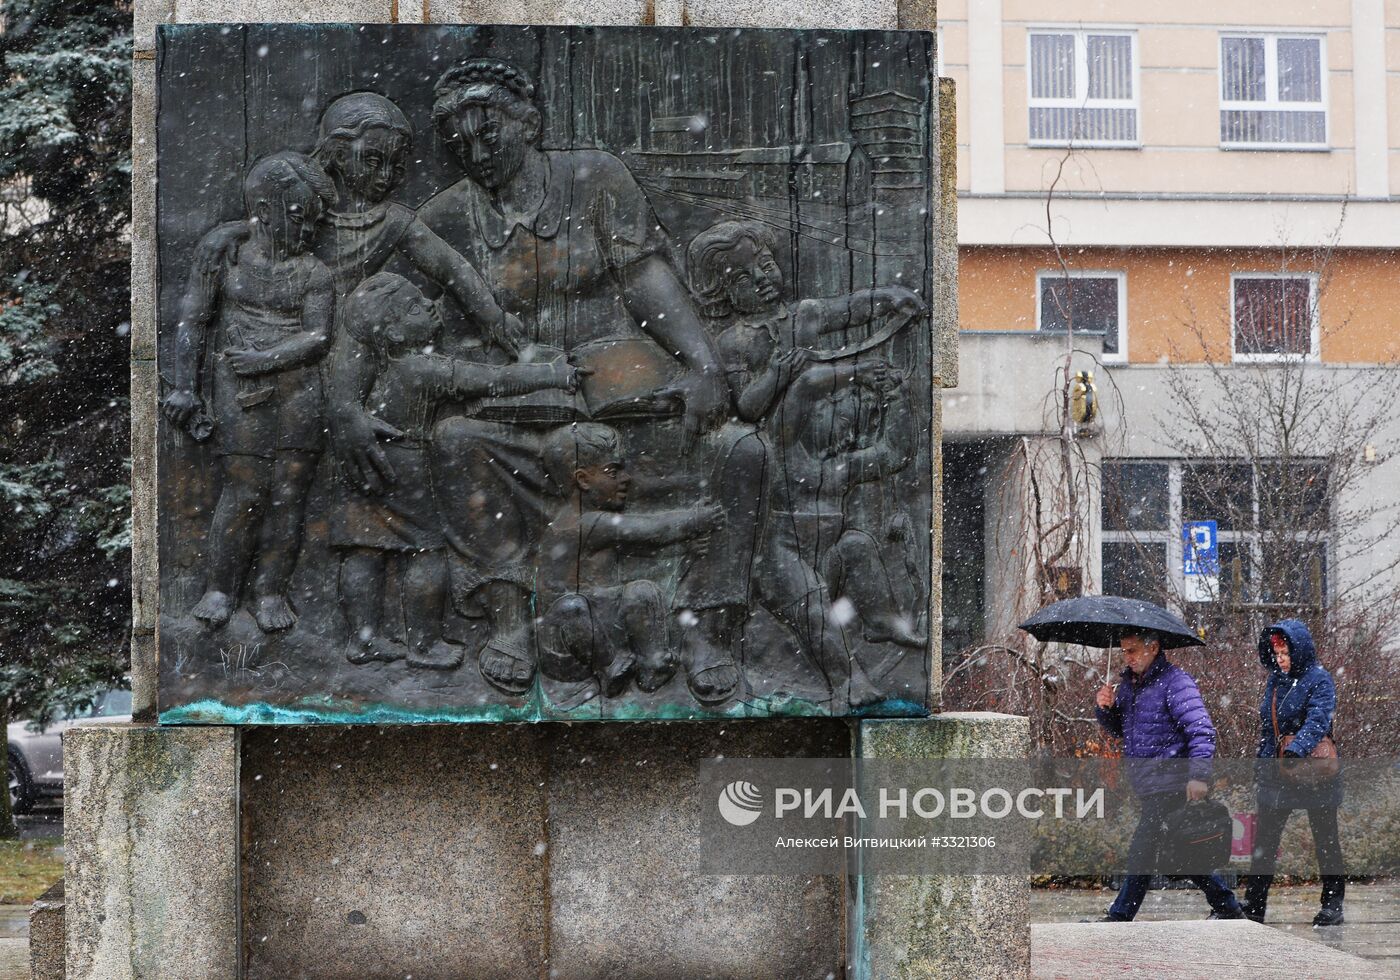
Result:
1200,549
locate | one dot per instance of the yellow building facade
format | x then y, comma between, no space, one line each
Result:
1146,189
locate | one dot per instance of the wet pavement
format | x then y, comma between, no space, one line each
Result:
1188,950
14,959
1372,928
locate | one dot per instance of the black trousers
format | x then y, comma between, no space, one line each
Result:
1143,853
1268,832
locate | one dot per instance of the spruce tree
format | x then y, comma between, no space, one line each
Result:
65,184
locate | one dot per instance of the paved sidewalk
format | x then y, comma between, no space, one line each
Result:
1187,951
14,959
1372,915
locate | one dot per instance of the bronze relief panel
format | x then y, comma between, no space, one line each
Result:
513,373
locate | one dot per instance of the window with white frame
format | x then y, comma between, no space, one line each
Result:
1085,302
1083,88
1136,545
1274,316
1272,521
1273,91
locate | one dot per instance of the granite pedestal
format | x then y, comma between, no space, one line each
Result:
492,851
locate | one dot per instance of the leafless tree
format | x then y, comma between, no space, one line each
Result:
1283,450
1048,488
1288,446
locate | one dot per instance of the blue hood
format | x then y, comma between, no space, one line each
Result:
1302,654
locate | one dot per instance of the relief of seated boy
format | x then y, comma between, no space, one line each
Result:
597,623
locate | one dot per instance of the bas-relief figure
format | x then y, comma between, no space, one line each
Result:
627,424
828,439
595,623
271,306
401,332
574,249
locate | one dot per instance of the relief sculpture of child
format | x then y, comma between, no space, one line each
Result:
253,328
849,426
365,144
392,319
770,348
597,623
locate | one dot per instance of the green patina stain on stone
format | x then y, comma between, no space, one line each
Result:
307,712
332,711
918,927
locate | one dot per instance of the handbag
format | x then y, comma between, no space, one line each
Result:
1323,761
1196,839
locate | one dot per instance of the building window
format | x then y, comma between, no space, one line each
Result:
1088,303
1135,569
1083,88
1273,530
1273,92
1136,518
1136,496
1275,316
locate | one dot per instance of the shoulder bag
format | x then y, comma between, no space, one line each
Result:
1323,762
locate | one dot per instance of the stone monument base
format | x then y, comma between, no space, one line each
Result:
490,851
46,950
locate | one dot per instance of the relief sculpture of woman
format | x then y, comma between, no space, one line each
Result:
572,247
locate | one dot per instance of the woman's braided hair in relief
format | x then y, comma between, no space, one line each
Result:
484,81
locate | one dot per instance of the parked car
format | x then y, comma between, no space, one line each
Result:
36,754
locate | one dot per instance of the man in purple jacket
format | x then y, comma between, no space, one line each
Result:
1158,713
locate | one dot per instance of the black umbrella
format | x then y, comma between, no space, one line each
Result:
1103,621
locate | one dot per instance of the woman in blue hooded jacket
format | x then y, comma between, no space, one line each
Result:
1304,699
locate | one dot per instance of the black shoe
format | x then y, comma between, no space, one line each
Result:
1328,917
1107,918
1254,915
1234,913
